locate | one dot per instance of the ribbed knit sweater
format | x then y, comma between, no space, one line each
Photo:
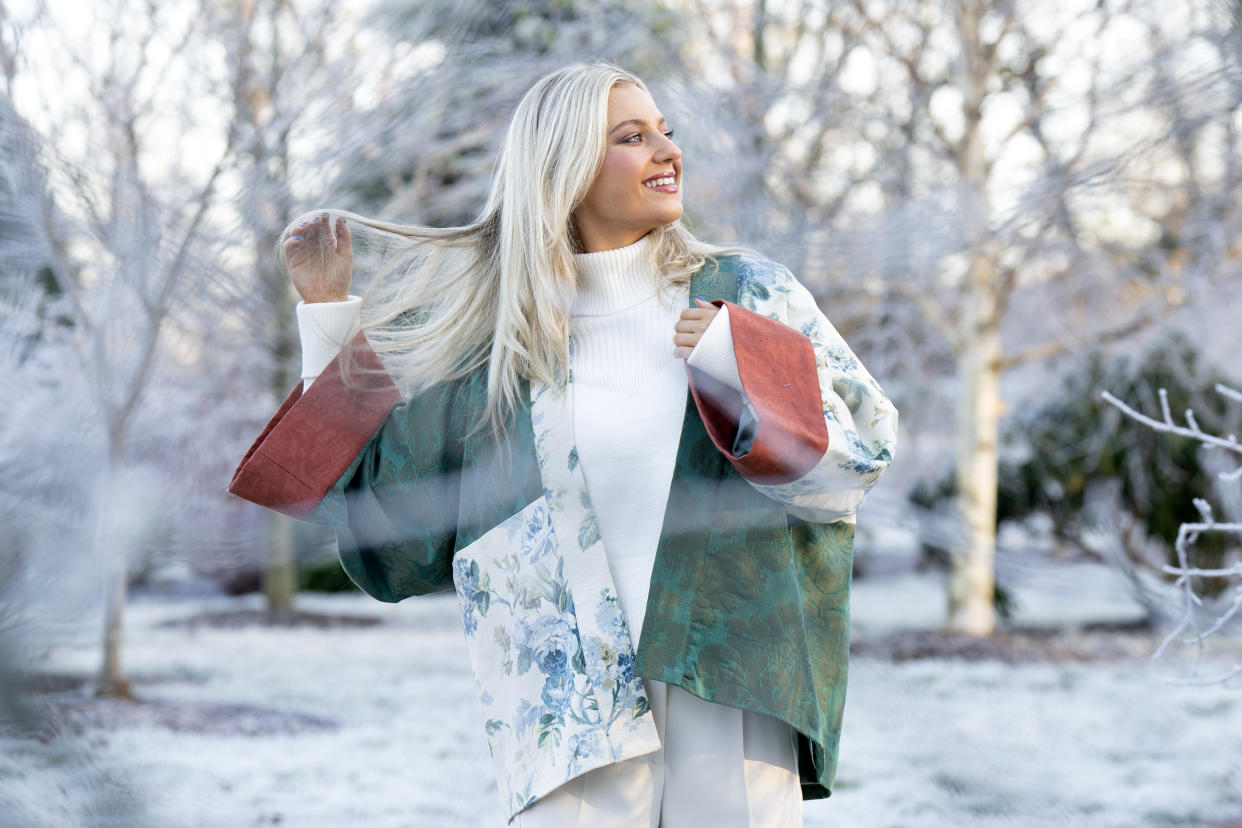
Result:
629,398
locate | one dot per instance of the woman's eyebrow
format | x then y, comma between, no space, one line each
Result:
634,122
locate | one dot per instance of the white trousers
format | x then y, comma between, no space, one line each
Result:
719,767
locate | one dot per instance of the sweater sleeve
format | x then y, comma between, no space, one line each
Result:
324,328
714,364
714,354
824,431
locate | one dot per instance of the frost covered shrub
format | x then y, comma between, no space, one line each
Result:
1079,459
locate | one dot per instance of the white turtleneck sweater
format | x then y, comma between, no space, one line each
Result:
629,397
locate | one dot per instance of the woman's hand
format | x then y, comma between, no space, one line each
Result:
320,259
690,327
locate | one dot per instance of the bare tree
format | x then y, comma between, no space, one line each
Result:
119,224
280,78
990,185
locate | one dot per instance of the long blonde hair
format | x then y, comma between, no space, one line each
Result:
498,292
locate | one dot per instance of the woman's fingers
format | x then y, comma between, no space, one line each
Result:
695,319
317,235
342,233
690,326
310,232
319,257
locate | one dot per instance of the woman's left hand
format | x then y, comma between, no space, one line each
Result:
690,327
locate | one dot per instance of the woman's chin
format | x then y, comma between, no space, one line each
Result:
670,216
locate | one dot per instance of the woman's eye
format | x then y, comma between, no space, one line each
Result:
638,136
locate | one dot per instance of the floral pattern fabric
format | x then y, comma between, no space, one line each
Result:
550,649
862,422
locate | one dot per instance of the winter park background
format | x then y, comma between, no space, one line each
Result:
1008,209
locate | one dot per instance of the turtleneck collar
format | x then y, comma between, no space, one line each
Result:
613,280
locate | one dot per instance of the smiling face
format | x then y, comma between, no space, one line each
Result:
638,188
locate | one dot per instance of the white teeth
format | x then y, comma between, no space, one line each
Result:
660,182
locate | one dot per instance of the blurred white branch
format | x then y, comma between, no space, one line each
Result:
1191,429
1189,533
1052,349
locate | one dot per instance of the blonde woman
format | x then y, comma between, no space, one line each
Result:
635,456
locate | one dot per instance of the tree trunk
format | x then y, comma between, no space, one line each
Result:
972,580
111,680
280,580
111,546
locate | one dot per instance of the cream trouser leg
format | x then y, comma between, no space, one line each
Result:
719,767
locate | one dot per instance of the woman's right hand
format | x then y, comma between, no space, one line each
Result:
320,259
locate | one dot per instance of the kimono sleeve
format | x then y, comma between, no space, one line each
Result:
350,453
816,429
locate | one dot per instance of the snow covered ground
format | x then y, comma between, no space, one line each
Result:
377,725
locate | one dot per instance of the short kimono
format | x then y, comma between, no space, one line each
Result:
749,597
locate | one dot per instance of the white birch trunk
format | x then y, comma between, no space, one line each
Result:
112,517
972,579
971,584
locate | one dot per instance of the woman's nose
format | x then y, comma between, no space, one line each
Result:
668,150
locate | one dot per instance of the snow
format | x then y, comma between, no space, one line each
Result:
377,725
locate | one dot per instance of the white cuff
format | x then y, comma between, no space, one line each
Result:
324,328
714,354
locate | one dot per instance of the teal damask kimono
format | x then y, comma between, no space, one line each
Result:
749,597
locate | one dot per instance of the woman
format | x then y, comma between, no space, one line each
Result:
654,583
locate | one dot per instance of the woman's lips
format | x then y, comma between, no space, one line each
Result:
662,184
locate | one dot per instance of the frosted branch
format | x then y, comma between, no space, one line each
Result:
1226,391
1188,628
1167,425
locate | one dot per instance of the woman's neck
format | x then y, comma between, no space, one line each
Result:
601,242
612,280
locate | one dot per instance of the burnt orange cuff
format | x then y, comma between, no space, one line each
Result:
313,437
779,377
